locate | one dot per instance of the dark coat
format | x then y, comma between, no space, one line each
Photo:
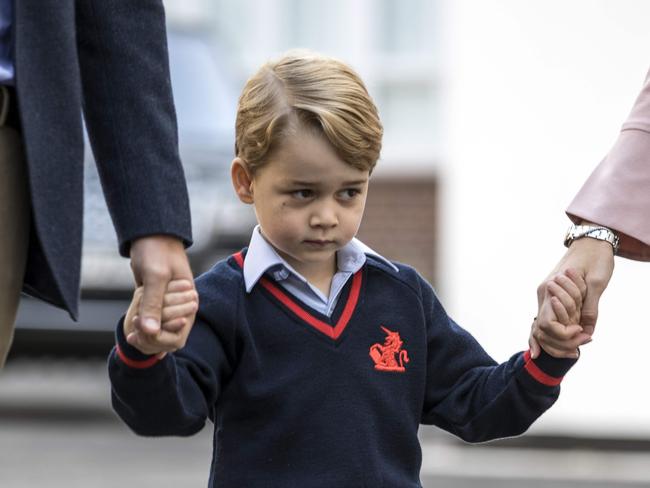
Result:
110,58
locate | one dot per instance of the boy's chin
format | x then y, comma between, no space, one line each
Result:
316,257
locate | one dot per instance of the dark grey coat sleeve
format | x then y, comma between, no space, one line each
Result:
129,113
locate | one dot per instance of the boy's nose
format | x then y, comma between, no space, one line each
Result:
324,216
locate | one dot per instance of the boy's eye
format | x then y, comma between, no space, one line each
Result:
349,193
302,194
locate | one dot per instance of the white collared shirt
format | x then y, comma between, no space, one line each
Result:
262,257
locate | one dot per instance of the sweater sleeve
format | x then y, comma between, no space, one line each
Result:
473,397
172,396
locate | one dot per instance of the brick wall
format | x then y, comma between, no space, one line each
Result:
401,222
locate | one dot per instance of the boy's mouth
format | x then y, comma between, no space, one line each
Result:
318,242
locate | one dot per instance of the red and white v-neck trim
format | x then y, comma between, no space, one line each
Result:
333,332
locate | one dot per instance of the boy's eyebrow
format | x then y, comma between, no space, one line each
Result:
301,183
355,182
315,183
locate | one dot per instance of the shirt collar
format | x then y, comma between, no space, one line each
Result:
261,257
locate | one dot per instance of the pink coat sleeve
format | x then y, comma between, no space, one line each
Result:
617,194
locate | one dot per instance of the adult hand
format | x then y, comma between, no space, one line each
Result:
178,314
593,260
156,260
556,328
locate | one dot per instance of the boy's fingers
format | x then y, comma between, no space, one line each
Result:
177,298
132,311
533,345
559,310
176,311
566,299
135,339
137,294
179,285
557,330
566,346
164,342
180,305
545,314
578,279
563,349
571,288
545,340
138,340
175,325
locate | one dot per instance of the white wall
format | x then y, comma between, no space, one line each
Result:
536,93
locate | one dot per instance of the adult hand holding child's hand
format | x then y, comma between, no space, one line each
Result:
592,261
180,304
557,326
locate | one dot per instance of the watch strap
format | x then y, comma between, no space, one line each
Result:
593,231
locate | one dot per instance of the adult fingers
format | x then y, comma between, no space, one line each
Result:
589,312
154,286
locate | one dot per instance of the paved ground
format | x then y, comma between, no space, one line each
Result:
57,430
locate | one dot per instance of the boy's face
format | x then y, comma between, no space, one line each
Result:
309,202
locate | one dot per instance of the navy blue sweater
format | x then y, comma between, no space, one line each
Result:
302,400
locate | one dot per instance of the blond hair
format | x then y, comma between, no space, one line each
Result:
304,89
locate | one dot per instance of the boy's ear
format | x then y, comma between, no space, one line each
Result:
242,180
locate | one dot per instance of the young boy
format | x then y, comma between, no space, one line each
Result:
315,357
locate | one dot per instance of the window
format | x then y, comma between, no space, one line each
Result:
403,25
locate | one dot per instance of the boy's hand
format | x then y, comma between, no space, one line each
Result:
567,293
556,328
179,310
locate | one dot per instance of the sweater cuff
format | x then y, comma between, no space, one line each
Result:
546,369
130,355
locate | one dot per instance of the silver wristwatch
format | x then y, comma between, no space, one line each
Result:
594,231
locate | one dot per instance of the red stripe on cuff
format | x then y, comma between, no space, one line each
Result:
132,363
538,374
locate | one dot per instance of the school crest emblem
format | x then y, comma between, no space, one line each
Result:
389,356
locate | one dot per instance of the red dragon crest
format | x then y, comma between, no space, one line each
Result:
389,356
